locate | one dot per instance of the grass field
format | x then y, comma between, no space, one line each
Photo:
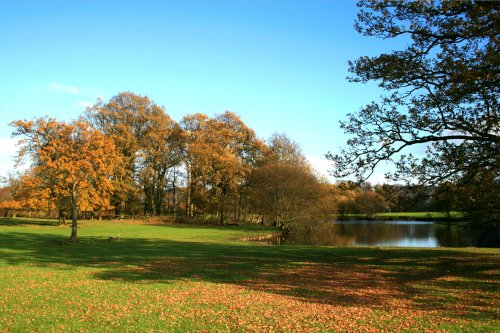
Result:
429,215
175,278
437,216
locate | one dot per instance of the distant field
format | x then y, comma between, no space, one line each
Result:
431,215
179,278
405,216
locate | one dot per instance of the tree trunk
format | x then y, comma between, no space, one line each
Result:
62,217
189,192
174,201
158,201
221,220
222,209
74,216
148,200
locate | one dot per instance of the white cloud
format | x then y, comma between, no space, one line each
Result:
85,104
377,178
63,89
321,165
8,146
8,150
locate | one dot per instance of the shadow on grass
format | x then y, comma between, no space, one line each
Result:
19,221
431,279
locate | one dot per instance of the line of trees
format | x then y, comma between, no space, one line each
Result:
127,156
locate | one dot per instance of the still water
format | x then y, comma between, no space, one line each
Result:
381,233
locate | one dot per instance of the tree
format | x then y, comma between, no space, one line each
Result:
283,189
219,153
159,153
72,160
479,198
7,202
284,194
358,198
401,198
344,200
369,203
444,198
442,92
28,190
238,150
147,140
283,150
195,149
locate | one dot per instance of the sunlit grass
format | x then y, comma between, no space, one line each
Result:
178,278
405,216
431,215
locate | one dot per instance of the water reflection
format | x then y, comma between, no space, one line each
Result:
379,233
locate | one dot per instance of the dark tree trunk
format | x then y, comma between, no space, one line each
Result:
62,216
158,201
189,192
148,200
222,205
74,216
174,201
221,221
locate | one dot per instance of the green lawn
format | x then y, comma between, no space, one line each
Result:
177,278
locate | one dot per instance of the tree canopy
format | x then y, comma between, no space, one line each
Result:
442,93
69,160
283,188
146,138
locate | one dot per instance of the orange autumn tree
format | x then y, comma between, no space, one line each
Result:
8,202
196,160
149,143
236,151
72,159
33,194
218,153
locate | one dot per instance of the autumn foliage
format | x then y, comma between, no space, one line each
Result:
128,157
71,162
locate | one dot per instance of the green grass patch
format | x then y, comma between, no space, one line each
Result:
178,278
417,215
438,216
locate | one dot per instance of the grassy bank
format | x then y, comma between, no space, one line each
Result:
416,216
175,278
422,215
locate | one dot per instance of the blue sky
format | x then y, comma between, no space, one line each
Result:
279,64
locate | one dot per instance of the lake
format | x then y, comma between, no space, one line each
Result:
380,233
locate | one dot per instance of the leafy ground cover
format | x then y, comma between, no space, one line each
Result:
174,278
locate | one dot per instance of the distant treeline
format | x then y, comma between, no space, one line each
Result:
127,157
